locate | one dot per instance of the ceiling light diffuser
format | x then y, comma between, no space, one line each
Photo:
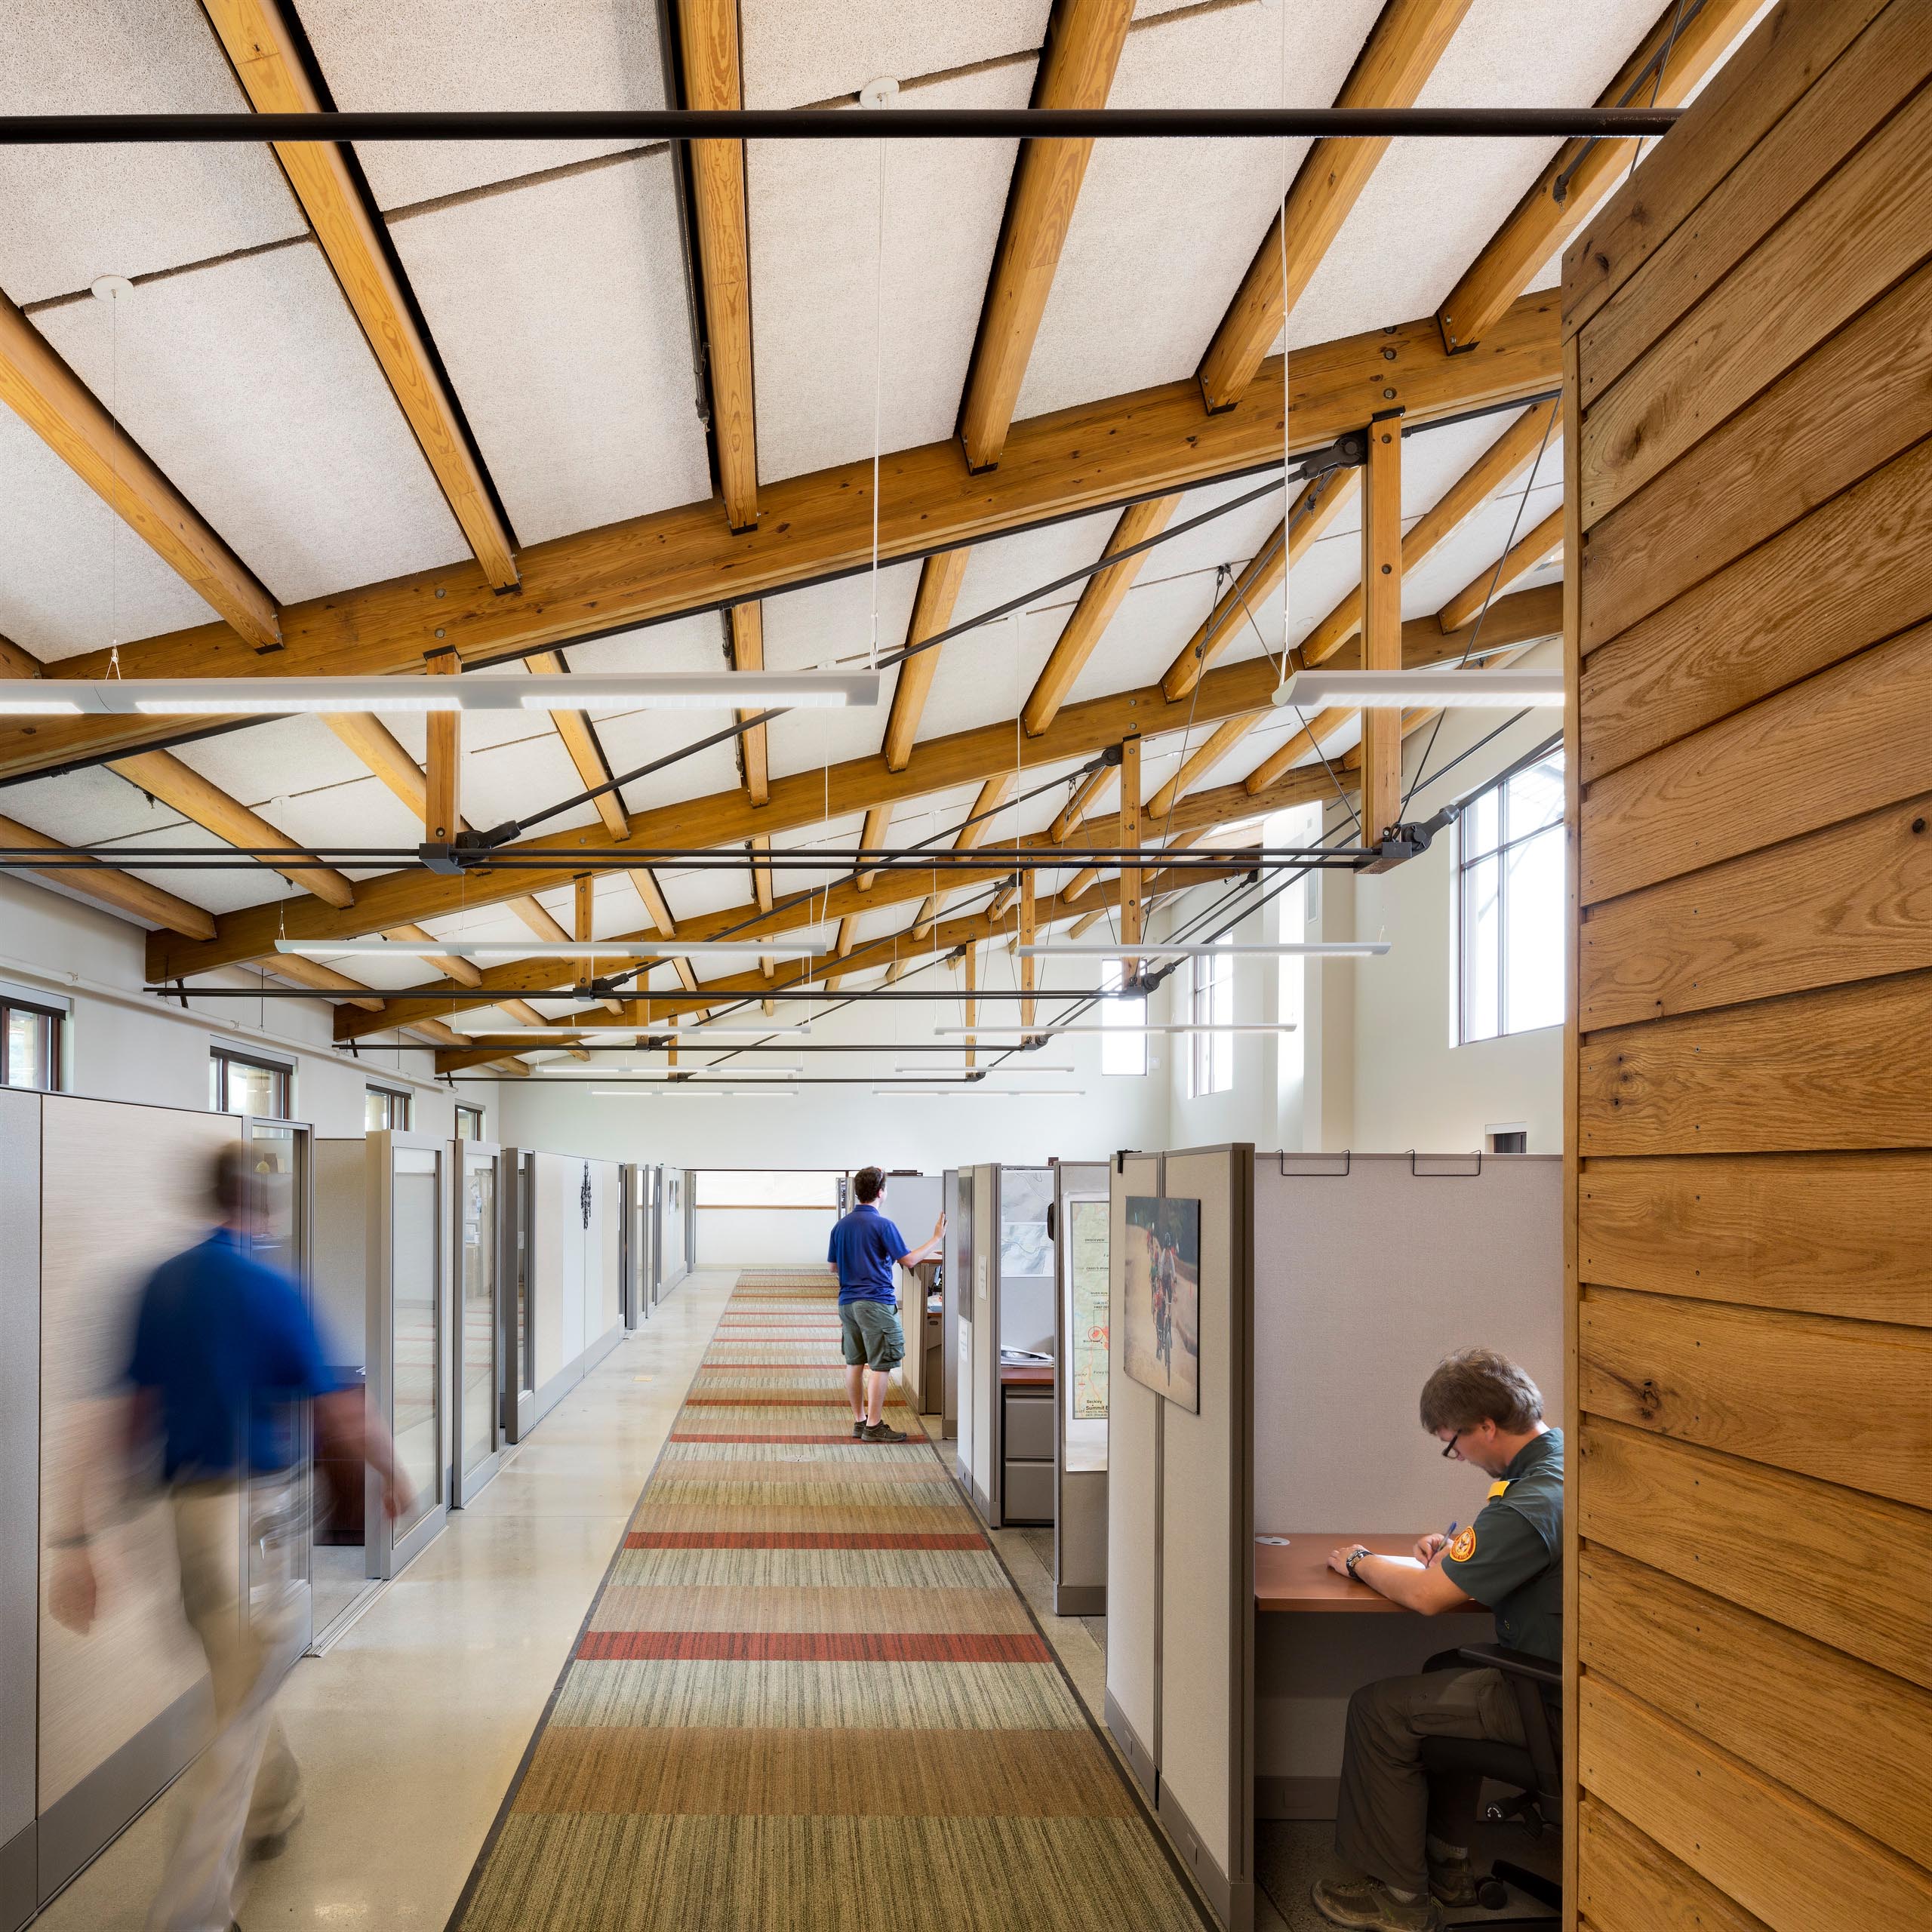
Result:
1341,949
270,697
551,949
1047,1027
1315,690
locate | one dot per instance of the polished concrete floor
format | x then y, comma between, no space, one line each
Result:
410,1729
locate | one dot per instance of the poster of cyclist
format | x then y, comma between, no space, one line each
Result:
1163,1295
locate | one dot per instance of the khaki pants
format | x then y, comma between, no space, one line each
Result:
245,1784
1387,1804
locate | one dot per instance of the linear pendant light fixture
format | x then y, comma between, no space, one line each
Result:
1047,1028
547,949
680,691
1315,690
1156,948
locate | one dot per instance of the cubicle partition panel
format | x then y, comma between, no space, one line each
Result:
979,1348
635,1258
516,1353
119,1711
1180,1585
956,1270
1374,1268
577,1314
19,1502
1081,1208
915,1202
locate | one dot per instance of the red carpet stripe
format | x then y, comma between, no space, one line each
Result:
805,1539
811,1647
696,1435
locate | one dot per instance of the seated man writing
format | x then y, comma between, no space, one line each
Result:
1405,1842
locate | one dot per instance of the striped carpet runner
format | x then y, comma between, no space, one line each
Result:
808,1699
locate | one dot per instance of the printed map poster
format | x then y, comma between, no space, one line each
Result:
1162,1297
1087,1313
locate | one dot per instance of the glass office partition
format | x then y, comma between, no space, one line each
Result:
277,1528
478,1246
409,1322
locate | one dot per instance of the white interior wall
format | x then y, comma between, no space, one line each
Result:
125,1045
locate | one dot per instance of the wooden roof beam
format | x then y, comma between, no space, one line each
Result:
1540,226
1523,556
708,40
38,386
1505,459
1401,53
939,581
747,623
1313,509
120,892
179,786
262,50
1083,47
586,755
672,562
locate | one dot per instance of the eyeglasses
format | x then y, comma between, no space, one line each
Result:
1449,1447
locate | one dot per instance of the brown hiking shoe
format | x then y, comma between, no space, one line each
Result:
883,1431
1452,1881
1368,1905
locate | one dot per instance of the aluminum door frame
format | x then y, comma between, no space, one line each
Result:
466,1487
388,1554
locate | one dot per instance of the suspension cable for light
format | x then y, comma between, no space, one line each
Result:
680,691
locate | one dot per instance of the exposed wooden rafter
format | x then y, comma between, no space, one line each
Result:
939,579
586,755
1381,746
62,411
1523,556
1083,45
708,37
1540,226
994,792
675,562
1401,52
726,818
1310,515
263,52
748,655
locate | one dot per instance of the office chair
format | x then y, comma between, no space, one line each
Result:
1533,1768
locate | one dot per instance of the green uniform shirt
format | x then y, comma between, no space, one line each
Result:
1510,1559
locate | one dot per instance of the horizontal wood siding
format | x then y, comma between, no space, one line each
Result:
1748,367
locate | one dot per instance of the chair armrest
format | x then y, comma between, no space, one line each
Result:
1513,1664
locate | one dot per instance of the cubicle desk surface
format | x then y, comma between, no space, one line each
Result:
1014,1375
1295,1576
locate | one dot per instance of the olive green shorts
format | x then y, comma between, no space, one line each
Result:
871,1335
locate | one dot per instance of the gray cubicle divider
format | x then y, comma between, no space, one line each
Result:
958,1253
1374,1267
576,1311
915,1202
1180,1550
1080,1216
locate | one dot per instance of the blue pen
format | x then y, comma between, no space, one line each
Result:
1450,1534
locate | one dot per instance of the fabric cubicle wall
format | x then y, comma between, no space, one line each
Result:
1373,1268
1180,1571
1748,342
576,1270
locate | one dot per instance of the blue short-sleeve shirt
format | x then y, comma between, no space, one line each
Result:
228,1345
864,1246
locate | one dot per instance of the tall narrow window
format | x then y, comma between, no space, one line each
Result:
384,1107
1509,903
470,1122
240,1084
1122,1051
30,1045
1211,1003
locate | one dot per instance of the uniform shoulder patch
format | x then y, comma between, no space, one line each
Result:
1464,1547
1496,1489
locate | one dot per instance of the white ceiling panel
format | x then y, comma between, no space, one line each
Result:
795,55
73,576
833,326
1472,552
1431,206
506,781
68,214
1164,230
639,737
505,53
560,312
683,644
281,757
249,384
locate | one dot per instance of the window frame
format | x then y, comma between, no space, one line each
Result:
51,1018
221,1058
1466,865
1211,1001
474,1114
395,1099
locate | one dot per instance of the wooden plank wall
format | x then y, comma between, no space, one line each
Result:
1747,333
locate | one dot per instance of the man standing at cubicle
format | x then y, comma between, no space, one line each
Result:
1403,1836
223,1348
863,1247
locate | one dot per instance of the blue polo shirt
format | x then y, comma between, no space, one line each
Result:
864,1246
229,1345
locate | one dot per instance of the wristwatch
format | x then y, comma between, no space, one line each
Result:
1354,1557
